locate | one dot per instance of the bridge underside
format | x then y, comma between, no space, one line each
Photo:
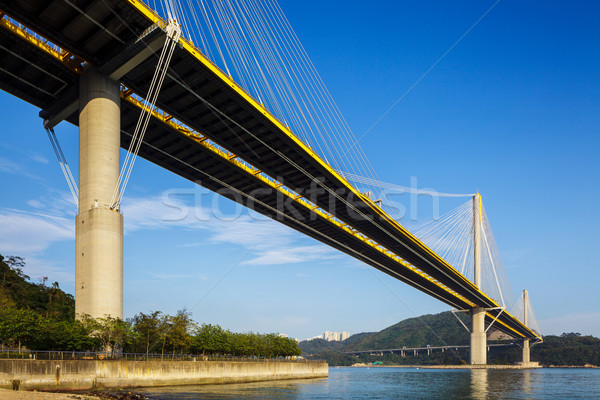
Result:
207,121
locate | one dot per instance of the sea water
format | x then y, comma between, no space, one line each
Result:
406,383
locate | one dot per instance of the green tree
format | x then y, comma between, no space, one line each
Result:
146,331
18,327
164,327
180,327
111,332
210,339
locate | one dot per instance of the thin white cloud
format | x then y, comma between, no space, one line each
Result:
272,242
157,213
249,233
55,202
291,255
33,155
29,233
35,203
38,158
36,268
8,166
12,167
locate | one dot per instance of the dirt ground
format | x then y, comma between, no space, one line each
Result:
24,395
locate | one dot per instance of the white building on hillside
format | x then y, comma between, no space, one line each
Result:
335,336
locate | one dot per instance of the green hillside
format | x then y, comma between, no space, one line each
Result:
435,330
320,345
16,291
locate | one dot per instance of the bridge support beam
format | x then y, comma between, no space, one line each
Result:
99,229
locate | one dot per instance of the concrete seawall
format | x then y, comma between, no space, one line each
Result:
88,374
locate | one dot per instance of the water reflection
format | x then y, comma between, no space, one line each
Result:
526,385
479,384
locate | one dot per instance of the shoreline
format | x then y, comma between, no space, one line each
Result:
7,394
491,366
107,394
451,366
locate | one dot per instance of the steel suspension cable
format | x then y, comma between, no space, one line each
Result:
172,37
64,166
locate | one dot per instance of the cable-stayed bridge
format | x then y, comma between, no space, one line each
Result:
160,84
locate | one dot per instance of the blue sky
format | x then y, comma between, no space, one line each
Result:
511,111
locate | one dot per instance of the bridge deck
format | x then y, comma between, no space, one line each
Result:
205,100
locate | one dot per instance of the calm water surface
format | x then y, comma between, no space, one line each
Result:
406,383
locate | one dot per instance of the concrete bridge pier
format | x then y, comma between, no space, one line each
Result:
478,337
526,352
99,229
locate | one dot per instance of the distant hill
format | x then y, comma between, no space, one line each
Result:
320,345
435,330
443,329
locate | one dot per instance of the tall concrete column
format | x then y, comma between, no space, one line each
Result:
478,335
526,352
99,230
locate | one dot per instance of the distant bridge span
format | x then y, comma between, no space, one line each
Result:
429,349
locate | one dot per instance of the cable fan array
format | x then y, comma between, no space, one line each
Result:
525,313
452,237
255,44
385,201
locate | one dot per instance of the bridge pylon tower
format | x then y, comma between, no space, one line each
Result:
99,227
478,333
526,347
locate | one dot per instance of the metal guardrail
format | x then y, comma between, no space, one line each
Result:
107,356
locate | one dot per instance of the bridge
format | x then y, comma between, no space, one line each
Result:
415,350
129,77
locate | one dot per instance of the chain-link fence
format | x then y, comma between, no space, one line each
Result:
86,355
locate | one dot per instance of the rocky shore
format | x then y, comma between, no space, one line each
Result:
108,394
